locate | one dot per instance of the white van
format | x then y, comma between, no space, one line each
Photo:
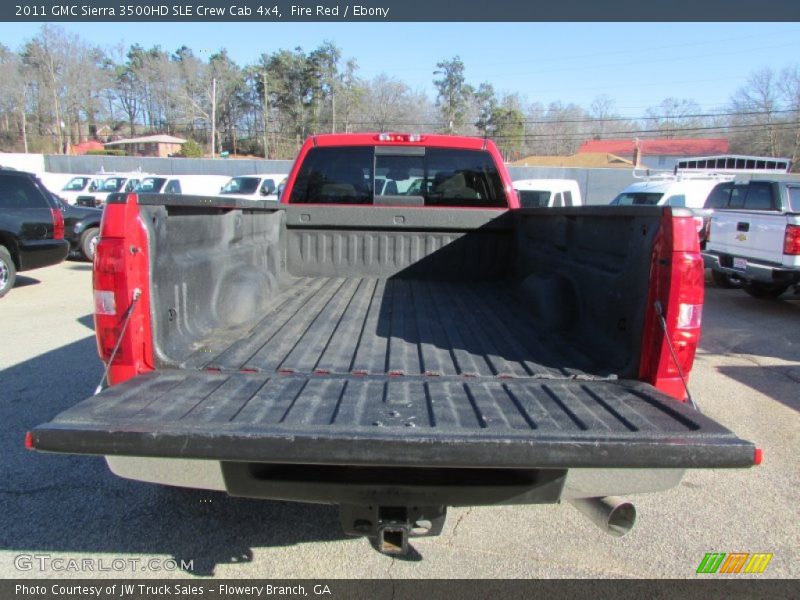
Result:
678,191
253,187
77,185
193,185
538,193
109,183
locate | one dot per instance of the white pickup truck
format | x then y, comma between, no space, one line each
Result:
756,236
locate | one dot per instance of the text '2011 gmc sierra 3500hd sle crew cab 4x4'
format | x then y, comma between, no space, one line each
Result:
399,352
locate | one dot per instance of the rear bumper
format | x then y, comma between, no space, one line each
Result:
42,253
756,270
352,485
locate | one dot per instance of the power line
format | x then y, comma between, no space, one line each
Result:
781,126
597,119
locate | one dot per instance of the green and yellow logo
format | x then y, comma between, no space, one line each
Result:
734,562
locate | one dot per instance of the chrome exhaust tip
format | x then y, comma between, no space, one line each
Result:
613,514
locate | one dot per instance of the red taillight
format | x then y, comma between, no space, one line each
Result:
58,224
791,240
121,284
29,443
110,286
686,311
400,137
677,289
758,456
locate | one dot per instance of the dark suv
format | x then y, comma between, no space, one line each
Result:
81,226
31,227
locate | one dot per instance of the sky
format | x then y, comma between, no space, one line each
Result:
636,64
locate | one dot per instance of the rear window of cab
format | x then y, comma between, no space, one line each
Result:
755,195
411,176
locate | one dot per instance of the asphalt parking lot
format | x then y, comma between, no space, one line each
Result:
746,376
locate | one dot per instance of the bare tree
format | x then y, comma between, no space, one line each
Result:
46,56
14,92
601,110
789,87
753,108
387,102
674,117
352,92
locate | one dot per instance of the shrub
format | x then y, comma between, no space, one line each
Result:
107,152
191,149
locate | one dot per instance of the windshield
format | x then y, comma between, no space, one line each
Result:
637,198
241,185
427,176
533,198
151,185
76,184
113,184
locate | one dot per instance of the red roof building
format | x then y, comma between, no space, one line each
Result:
656,147
658,153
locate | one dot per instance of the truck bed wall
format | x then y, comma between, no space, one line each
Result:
583,273
211,269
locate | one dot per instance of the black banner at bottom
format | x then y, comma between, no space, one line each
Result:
374,589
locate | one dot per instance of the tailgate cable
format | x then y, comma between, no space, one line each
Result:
660,313
126,319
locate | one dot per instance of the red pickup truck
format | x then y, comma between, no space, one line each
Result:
397,336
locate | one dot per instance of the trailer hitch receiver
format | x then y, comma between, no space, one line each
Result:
391,527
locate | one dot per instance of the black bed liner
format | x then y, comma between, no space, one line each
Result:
396,326
429,421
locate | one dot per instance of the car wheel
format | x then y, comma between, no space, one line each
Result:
726,281
758,289
8,271
89,243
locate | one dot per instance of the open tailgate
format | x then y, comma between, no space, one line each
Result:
393,421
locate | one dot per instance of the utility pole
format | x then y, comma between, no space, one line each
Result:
213,117
266,116
333,104
24,129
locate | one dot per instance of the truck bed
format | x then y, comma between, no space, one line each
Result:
374,326
400,337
